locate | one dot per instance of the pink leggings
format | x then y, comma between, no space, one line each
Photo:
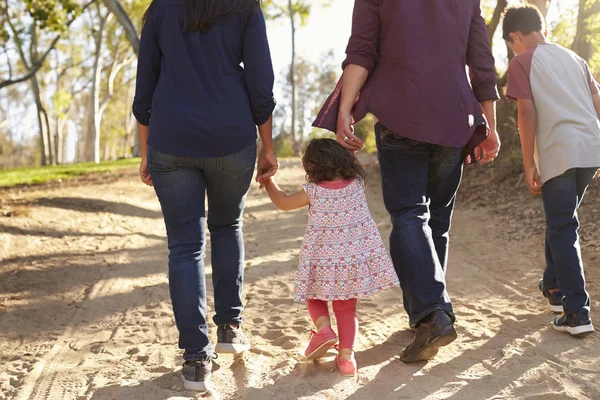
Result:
345,315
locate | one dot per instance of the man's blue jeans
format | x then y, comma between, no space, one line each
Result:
420,182
181,184
562,197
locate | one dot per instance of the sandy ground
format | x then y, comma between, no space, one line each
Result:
85,310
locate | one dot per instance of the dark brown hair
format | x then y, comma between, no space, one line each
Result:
201,15
326,159
525,19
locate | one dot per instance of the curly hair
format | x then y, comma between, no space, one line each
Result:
326,160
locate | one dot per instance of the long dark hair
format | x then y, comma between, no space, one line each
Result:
201,15
326,159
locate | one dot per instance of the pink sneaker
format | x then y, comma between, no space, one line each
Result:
320,342
346,367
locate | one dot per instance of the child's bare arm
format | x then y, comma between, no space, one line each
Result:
527,129
284,201
596,99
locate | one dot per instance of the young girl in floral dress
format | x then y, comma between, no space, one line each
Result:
342,256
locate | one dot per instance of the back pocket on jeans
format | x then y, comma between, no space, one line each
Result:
238,164
158,161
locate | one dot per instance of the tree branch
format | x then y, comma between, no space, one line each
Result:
36,65
493,25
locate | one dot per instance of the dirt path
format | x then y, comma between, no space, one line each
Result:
85,310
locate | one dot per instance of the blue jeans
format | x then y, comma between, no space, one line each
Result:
181,185
562,197
419,182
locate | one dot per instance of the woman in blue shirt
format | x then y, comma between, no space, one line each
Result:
198,108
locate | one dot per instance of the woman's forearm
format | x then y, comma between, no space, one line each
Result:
265,132
143,135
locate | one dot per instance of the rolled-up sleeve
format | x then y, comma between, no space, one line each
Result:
148,69
363,45
481,61
258,69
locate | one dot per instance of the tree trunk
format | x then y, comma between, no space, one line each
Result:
33,56
493,25
293,76
543,5
44,145
94,127
582,44
132,36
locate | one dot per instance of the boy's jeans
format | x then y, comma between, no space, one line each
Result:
419,181
562,197
181,184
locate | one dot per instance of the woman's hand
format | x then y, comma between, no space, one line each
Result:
267,166
144,173
345,133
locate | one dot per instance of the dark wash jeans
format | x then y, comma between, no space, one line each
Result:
420,181
181,184
562,197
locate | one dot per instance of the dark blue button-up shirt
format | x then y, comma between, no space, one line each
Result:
193,92
417,53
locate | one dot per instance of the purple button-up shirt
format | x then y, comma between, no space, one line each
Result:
417,53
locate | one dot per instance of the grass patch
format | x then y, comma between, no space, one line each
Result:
37,175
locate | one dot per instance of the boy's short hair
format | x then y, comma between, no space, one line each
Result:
525,19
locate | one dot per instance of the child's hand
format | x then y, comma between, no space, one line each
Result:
533,180
266,182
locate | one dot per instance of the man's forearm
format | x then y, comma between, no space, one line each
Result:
527,130
265,132
355,77
489,111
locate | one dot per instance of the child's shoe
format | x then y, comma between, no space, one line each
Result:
575,324
320,342
346,367
554,299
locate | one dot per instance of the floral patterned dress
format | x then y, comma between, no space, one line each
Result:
342,255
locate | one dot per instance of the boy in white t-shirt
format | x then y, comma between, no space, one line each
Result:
559,105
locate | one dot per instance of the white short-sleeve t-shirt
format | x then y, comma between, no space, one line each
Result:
561,86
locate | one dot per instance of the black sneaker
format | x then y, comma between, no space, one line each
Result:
196,375
554,299
231,340
574,324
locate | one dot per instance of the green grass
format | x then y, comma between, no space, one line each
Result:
38,175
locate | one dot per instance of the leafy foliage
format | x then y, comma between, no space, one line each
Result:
53,15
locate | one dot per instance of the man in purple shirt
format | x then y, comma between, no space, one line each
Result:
407,65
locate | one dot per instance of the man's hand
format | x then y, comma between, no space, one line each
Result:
345,133
144,173
533,180
267,166
490,148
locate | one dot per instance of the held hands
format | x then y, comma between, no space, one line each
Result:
345,133
490,148
144,173
533,180
267,166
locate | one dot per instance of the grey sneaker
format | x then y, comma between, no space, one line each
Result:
231,340
196,374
